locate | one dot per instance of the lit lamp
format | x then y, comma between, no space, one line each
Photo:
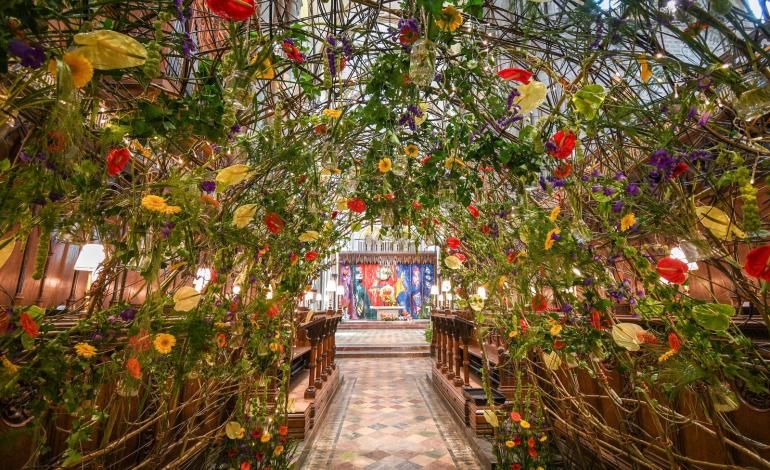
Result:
449,300
434,294
319,298
331,289
446,286
269,294
308,298
90,259
340,292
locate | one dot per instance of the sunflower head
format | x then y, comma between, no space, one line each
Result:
164,342
385,165
154,203
411,150
80,68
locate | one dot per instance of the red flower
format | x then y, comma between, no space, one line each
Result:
596,319
563,171
134,368
531,441
564,142
517,440
416,205
674,342
291,51
273,311
461,257
473,211
757,263
515,416
558,344
320,129
453,243
523,325
425,160
519,75
29,326
389,196
293,258
283,430
532,452
274,222
311,255
539,303
335,214
356,205
117,160
679,169
245,466
408,35
515,466
486,229
236,10
672,270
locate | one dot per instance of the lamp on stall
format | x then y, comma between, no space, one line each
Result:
434,294
340,291
331,289
446,286
448,296
308,298
90,259
236,289
319,298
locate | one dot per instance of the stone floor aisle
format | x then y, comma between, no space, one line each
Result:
387,416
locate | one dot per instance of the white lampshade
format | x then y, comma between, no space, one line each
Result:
482,292
309,296
434,289
91,256
340,290
318,297
448,297
331,286
446,286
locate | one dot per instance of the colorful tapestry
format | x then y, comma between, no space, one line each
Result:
374,285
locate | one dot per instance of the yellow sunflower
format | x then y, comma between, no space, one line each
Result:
81,69
164,342
278,450
385,165
154,203
85,350
451,19
332,113
628,221
411,150
524,424
510,444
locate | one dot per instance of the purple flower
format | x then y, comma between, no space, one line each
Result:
585,178
558,183
208,186
513,94
25,157
566,308
609,191
620,176
596,188
704,118
55,196
633,189
692,113
595,173
165,231
31,56
128,314
550,146
704,83
555,237
617,207
587,281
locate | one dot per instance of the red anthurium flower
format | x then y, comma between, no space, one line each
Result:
564,142
596,319
311,255
523,325
674,342
28,325
291,51
563,171
757,263
679,169
273,311
236,10
425,160
539,303
473,211
274,222
519,75
356,205
515,416
416,205
453,243
117,160
672,270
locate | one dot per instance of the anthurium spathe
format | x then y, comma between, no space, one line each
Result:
758,263
562,144
473,211
232,175
244,214
186,299
539,303
516,74
108,50
453,262
274,222
235,10
672,270
531,95
309,236
356,205
117,159
453,243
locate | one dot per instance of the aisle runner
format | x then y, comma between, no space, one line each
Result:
387,417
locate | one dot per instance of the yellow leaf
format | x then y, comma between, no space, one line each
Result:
234,430
532,95
186,299
309,236
108,50
6,250
453,262
718,222
626,335
233,174
491,418
644,70
552,360
244,214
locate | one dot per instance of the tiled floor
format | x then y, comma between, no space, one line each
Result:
387,416
381,337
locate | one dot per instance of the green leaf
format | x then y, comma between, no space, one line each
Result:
714,317
588,100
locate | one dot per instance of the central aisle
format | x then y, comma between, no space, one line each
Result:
386,416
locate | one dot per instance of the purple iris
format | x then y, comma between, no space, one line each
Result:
566,308
620,176
692,113
609,191
128,314
633,189
32,56
617,206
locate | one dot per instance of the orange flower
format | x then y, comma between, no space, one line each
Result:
140,342
209,199
221,340
283,430
134,368
55,142
29,325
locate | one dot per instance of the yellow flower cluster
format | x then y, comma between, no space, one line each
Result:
451,19
628,221
81,69
332,113
549,241
85,350
667,355
10,366
164,343
385,165
158,204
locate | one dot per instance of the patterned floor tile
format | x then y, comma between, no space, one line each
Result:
386,416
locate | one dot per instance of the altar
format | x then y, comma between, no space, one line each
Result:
394,310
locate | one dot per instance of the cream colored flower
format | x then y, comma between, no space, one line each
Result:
453,262
233,174
234,430
244,214
332,113
309,236
186,299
